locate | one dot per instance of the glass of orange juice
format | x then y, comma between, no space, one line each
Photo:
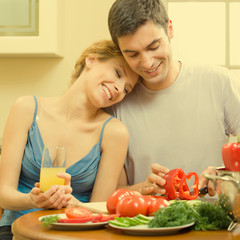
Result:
53,162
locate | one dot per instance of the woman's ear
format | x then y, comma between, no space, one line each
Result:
89,61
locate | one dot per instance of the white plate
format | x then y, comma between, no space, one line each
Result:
74,226
145,230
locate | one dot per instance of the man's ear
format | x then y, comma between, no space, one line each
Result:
89,61
170,29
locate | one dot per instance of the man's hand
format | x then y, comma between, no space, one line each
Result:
155,183
203,182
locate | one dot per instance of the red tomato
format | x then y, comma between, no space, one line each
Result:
157,203
132,206
115,197
77,212
76,220
107,218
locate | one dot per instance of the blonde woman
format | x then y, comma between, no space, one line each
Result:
96,143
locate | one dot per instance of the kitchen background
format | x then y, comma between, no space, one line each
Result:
79,23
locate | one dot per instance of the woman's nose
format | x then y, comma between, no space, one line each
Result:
119,86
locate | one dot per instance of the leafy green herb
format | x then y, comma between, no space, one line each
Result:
177,214
206,215
214,215
50,219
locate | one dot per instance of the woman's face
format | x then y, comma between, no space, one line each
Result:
109,81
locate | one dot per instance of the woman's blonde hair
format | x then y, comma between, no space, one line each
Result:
102,50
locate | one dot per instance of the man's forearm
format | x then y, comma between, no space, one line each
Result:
136,187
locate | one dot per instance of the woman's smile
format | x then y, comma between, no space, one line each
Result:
107,92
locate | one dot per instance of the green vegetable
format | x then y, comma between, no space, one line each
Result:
216,218
128,222
206,215
177,214
50,219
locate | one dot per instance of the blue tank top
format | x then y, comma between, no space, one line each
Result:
83,172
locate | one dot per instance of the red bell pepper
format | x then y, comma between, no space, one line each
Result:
184,192
231,156
173,178
176,185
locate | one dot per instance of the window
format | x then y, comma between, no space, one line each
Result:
206,31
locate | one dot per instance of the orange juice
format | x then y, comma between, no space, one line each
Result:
48,177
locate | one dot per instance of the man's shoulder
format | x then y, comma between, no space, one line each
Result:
205,68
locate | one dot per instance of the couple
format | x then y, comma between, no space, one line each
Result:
178,116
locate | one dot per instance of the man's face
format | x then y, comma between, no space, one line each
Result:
149,53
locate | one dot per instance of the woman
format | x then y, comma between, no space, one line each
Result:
96,143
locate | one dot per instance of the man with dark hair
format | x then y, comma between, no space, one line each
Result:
179,115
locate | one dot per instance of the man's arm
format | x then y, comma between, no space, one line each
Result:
153,184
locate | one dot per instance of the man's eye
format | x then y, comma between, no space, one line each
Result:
118,74
155,46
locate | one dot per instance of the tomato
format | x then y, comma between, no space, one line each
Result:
148,199
132,206
115,197
107,218
77,212
157,203
76,220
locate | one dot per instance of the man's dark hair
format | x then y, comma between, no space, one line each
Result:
126,16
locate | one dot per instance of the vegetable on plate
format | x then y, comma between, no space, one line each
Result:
77,212
115,197
78,215
129,204
206,215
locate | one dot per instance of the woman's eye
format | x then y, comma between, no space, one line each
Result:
118,74
125,91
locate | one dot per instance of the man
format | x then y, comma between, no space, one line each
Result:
180,115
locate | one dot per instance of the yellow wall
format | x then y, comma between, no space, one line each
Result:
85,22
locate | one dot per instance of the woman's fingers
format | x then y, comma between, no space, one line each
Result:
66,176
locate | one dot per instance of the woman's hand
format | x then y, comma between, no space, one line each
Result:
203,182
155,183
57,197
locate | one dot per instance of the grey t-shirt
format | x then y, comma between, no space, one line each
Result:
182,126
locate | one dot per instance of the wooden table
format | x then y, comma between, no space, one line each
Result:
29,227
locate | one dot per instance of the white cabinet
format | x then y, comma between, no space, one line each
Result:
47,42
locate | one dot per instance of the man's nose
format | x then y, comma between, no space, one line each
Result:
146,61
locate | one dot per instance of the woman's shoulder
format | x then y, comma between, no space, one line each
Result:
116,128
24,107
24,103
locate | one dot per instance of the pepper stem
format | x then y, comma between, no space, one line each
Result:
238,138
